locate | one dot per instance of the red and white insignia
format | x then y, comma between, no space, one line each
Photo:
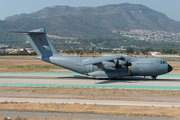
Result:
40,39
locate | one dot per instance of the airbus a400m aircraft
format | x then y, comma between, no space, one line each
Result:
110,67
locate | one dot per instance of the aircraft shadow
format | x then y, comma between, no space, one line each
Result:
127,80
124,79
134,80
76,77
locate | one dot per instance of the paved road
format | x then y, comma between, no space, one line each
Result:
98,102
163,82
79,116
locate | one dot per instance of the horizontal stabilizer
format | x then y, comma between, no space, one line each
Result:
38,31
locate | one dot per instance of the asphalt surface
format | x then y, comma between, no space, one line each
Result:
79,116
44,79
60,79
98,102
84,81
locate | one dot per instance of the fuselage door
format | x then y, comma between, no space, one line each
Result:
140,71
89,68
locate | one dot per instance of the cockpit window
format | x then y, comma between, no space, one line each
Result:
163,62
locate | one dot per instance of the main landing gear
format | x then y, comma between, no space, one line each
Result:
106,78
154,77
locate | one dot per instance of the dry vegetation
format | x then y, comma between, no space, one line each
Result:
22,118
176,68
92,109
91,93
18,57
27,66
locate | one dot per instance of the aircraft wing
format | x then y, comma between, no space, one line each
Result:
98,60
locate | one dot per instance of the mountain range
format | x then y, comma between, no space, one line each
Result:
90,22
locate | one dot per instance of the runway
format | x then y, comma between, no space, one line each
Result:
166,82
97,102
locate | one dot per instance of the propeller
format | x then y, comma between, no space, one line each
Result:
124,62
127,62
117,65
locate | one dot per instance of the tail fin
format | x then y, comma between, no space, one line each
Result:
40,42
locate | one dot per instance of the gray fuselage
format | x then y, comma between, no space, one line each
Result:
114,66
139,67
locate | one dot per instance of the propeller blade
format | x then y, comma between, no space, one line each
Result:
127,62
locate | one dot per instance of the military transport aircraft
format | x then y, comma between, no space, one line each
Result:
111,67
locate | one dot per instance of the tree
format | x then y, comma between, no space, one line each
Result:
144,51
168,51
129,50
174,51
161,50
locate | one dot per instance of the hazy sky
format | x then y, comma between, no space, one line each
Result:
11,7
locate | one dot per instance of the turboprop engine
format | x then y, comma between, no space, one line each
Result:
112,65
107,65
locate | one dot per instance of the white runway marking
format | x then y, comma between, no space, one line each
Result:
98,102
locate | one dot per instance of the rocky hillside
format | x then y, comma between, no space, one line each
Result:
91,22
110,17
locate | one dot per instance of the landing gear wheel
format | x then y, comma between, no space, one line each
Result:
154,77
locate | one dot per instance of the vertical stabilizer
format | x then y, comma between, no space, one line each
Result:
40,42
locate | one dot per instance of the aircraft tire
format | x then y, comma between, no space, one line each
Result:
153,77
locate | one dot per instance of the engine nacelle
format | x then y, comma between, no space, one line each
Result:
121,63
106,65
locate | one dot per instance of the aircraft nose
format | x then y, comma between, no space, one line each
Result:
169,68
